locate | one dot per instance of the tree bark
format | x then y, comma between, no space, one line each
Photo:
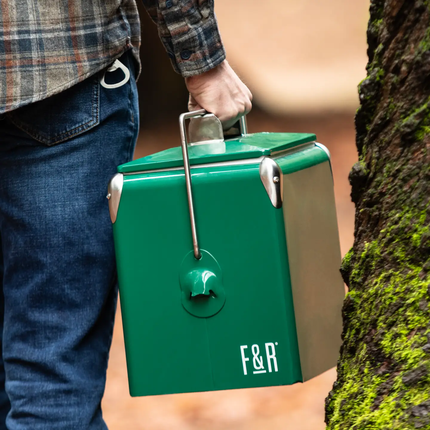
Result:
384,368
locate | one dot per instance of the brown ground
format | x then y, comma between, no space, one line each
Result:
298,407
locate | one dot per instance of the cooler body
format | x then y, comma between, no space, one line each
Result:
268,234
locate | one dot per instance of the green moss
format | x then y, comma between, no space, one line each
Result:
367,261
395,79
425,42
388,321
391,108
388,170
418,120
422,132
346,261
380,75
374,67
397,343
363,165
353,405
377,23
423,108
416,237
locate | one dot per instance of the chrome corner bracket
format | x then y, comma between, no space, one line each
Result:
271,176
114,195
324,148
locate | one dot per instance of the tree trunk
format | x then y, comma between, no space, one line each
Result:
384,368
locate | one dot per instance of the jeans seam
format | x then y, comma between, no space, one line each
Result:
134,123
113,285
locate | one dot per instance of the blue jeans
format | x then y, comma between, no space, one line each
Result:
57,264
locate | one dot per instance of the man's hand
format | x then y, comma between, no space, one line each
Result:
221,92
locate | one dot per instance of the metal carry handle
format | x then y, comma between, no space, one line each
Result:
182,118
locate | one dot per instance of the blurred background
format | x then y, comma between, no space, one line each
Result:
302,60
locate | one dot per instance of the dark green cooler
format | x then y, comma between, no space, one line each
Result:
229,278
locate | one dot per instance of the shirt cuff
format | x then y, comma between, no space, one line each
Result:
191,37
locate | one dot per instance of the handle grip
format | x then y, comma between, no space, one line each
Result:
240,125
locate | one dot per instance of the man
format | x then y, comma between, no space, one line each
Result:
62,134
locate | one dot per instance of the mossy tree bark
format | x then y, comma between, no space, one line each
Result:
384,368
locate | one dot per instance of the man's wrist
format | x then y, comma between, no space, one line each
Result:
196,80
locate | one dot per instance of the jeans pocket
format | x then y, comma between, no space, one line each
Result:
61,116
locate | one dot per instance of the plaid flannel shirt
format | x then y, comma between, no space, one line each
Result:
47,46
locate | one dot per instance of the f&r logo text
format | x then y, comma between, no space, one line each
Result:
259,361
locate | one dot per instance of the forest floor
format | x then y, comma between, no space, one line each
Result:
297,407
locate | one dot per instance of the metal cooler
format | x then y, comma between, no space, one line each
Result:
228,268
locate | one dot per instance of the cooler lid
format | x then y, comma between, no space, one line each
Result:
244,147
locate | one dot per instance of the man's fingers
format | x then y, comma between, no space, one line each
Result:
192,104
232,115
248,106
220,91
249,94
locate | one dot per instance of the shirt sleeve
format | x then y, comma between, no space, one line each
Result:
189,32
